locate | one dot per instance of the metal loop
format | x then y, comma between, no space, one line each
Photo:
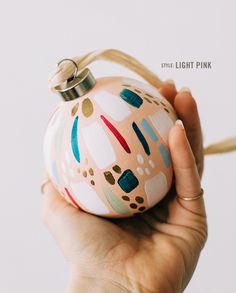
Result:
76,66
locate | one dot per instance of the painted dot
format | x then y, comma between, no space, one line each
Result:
150,96
125,197
147,171
128,181
92,182
140,159
156,103
139,199
137,91
148,100
117,169
133,205
85,173
74,109
91,172
140,171
127,85
163,104
151,163
109,177
166,110
142,209
87,107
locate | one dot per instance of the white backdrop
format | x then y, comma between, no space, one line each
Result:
34,36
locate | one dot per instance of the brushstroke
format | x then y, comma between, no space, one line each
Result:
128,181
74,140
117,134
117,205
149,130
141,138
71,198
131,98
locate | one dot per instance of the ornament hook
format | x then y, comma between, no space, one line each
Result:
75,65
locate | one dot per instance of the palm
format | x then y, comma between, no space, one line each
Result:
144,243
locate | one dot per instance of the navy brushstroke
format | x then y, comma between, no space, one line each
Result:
141,138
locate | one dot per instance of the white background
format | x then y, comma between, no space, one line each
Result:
34,36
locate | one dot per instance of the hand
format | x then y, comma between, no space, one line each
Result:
156,251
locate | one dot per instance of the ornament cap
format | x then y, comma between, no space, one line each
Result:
77,85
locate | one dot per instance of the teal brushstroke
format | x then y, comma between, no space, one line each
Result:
128,181
131,98
74,140
117,205
150,132
165,155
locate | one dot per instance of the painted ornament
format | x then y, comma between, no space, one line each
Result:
106,151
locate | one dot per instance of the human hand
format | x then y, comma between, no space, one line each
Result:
156,251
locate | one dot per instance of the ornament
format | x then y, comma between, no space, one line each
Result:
106,147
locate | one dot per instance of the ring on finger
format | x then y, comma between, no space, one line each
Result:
198,196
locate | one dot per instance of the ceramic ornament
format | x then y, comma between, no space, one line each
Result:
106,147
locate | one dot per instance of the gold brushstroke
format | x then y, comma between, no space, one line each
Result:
91,172
117,169
74,109
109,177
87,107
149,101
85,173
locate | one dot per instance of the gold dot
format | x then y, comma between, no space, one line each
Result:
137,91
109,177
85,173
156,103
117,169
163,104
167,110
150,96
91,171
74,109
147,100
127,85
92,182
87,107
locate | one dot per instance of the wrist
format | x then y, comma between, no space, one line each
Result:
106,283
94,285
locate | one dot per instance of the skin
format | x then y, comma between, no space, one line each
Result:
156,251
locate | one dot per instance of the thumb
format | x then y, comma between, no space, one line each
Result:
61,218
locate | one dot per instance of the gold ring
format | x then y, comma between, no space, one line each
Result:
44,183
192,198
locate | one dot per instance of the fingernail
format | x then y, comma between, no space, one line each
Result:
185,90
169,81
180,123
43,184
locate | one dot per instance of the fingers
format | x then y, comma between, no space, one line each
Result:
168,90
186,109
60,217
185,169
